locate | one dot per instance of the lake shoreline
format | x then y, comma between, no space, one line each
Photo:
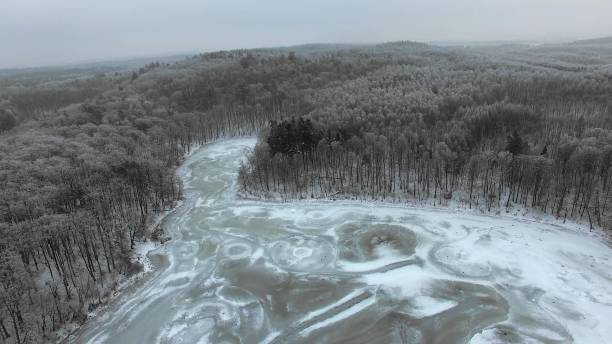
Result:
218,198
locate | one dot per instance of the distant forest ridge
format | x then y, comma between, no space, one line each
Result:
594,41
118,64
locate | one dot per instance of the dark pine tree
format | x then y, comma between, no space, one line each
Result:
515,144
7,120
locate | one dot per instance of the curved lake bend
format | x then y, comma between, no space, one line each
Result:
244,271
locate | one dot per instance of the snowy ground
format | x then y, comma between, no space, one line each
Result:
323,272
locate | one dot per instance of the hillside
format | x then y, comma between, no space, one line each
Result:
481,130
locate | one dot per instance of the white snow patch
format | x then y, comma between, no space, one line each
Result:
341,316
424,306
320,311
386,255
140,254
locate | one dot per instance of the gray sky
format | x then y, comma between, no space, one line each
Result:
43,32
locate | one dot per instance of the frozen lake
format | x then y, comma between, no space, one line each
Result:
342,272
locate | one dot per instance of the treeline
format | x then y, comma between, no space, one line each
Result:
486,134
71,211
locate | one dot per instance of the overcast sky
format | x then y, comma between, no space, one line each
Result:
44,32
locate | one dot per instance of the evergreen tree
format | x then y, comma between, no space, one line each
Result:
515,144
7,120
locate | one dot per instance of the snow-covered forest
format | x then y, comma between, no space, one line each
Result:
490,132
88,161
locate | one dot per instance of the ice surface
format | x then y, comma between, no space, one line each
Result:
243,271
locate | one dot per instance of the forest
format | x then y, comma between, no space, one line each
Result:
87,163
489,134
